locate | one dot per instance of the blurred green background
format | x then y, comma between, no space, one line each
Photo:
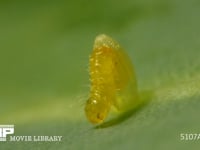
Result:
44,81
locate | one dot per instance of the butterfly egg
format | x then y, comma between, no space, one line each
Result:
112,80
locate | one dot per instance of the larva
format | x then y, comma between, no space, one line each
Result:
113,81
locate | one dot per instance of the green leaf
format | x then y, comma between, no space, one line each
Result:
44,83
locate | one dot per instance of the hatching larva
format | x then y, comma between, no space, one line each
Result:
113,81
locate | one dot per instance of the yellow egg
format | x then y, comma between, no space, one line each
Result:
113,81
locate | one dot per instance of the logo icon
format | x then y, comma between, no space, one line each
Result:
5,130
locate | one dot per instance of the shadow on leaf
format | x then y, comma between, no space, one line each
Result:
145,96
